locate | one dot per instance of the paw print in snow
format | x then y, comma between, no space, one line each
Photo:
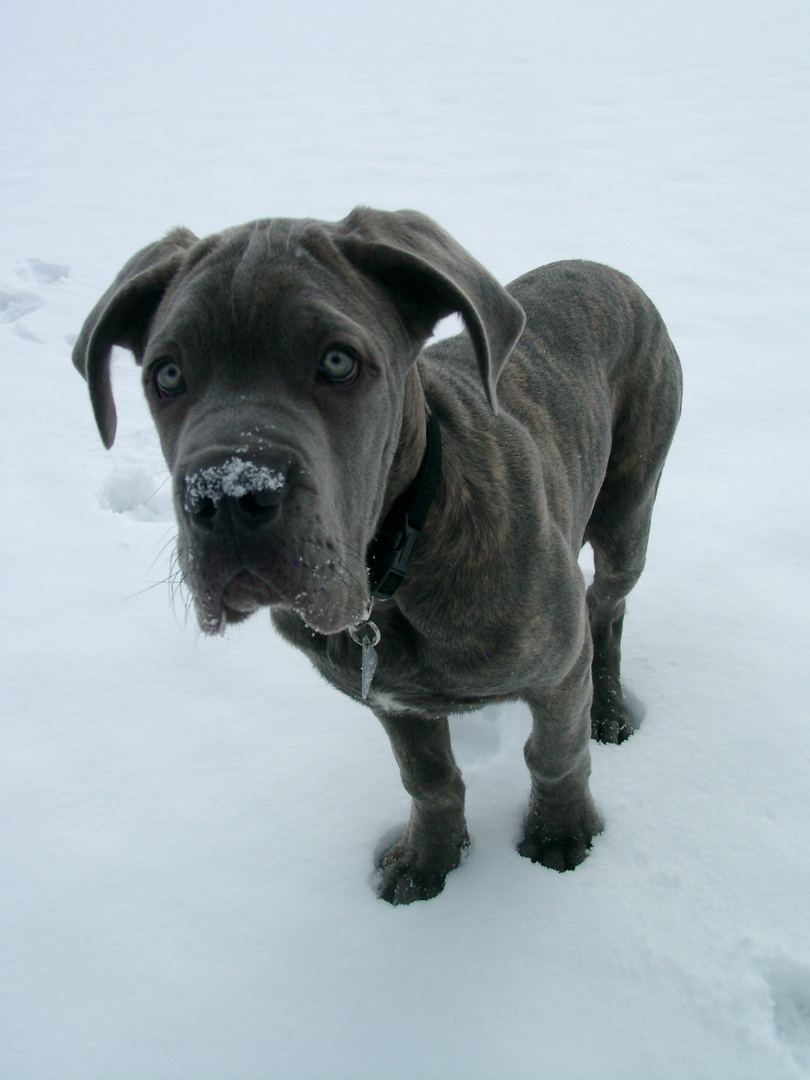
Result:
45,273
16,305
139,494
478,739
790,992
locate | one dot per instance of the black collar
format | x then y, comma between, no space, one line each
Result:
389,553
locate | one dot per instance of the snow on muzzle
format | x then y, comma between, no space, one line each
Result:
252,491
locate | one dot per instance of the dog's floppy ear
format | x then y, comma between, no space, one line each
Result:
429,276
122,317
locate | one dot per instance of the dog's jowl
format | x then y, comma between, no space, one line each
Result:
411,516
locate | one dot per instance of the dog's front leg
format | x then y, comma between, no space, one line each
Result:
436,834
562,818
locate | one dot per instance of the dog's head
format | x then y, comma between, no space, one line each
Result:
278,362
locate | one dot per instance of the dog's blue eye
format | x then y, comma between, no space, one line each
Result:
339,366
168,379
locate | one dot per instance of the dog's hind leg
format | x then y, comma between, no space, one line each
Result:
618,554
436,834
619,528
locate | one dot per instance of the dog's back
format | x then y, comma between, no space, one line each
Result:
594,381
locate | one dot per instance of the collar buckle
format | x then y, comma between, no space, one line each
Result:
397,562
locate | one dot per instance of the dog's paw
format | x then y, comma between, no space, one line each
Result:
611,729
610,719
402,879
560,844
555,853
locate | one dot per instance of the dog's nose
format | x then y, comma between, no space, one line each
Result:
256,505
252,509
246,493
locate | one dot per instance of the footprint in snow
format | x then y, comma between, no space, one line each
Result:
45,273
476,736
635,707
138,493
789,984
16,305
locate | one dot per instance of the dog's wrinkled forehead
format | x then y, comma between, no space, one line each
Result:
269,280
278,287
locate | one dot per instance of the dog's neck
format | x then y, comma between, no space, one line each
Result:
412,437
390,551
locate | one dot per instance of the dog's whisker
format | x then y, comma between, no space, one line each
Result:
178,584
142,592
158,489
172,540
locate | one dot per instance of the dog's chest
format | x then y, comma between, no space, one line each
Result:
409,676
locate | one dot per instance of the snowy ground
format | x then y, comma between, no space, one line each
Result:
188,824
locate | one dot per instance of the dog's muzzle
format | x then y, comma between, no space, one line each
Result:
251,536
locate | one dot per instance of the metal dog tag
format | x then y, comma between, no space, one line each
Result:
368,661
368,664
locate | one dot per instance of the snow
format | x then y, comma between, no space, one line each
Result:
234,477
189,823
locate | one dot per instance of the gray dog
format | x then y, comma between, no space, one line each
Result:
324,465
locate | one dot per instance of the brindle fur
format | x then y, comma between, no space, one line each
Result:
494,606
